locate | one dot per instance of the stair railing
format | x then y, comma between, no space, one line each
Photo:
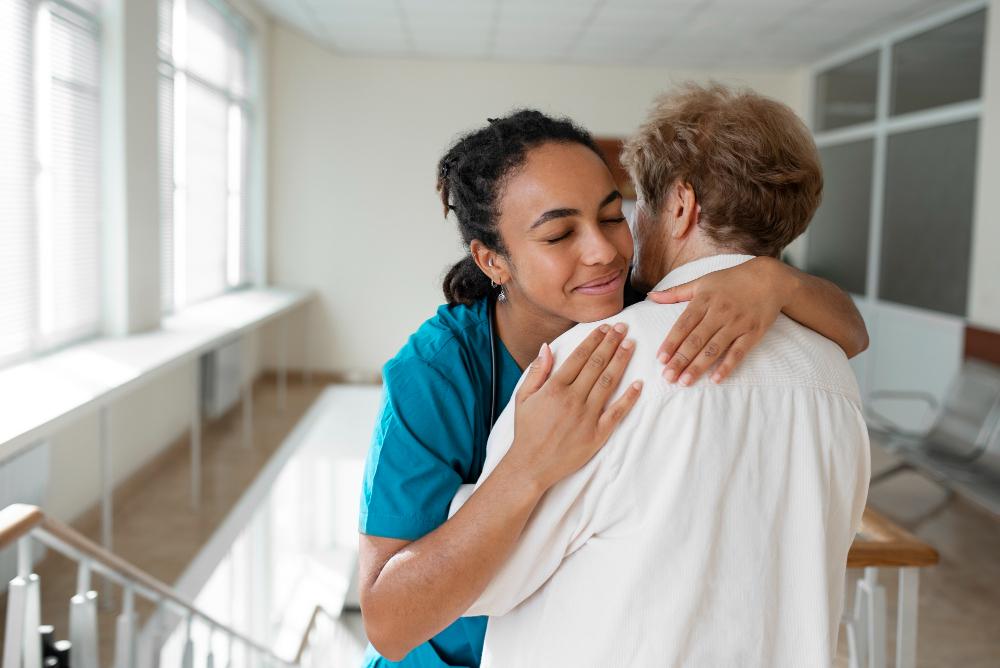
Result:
20,524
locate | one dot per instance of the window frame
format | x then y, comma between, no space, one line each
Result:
885,125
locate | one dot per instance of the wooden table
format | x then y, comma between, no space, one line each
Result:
881,543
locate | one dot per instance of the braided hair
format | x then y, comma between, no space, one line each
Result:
471,177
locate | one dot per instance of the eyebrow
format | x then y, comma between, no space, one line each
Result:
553,214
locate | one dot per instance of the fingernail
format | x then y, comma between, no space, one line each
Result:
662,358
620,328
669,375
541,350
716,377
605,329
637,385
627,344
686,379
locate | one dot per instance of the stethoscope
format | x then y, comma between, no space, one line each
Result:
494,375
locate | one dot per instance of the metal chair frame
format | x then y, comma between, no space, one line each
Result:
901,438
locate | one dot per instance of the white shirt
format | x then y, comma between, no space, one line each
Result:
711,530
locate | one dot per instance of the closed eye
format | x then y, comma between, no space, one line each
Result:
558,239
614,220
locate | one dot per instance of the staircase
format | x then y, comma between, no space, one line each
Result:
28,644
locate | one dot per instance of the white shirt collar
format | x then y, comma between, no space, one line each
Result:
698,268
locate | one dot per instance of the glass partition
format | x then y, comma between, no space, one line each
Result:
941,66
927,226
846,95
838,234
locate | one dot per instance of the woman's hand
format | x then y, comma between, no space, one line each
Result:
561,422
734,308
411,591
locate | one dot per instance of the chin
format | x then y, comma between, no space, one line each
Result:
592,309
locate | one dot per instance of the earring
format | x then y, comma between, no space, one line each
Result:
492,282
502,297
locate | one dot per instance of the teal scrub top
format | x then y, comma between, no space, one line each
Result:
430,438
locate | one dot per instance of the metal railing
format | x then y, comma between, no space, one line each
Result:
21,524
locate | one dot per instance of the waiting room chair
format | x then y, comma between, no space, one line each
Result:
959,437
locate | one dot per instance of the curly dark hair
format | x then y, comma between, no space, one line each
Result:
471,176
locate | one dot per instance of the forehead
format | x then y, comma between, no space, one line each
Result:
558,176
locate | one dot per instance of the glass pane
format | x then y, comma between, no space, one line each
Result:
926,236
941,66
845,95
838,235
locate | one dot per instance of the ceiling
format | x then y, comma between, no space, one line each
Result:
692,33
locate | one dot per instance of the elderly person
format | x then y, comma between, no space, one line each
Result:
713,528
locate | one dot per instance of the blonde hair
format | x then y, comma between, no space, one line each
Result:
750,160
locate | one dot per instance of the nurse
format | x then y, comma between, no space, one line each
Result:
549,247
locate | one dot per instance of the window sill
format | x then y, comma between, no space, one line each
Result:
43,395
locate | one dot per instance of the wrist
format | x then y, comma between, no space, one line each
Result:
788,279
520,476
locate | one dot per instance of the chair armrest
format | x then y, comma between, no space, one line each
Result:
890,426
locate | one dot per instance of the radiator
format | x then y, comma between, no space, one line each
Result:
221,379
24,478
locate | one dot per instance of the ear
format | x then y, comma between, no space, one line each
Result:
686,209
499,273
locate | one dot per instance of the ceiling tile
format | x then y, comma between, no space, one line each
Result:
748,32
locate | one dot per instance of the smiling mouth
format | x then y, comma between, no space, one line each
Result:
602,286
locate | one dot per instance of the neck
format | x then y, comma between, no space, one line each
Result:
694,248
523,329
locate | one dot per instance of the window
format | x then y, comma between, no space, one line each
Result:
838,235
897,126
49,176
204,150
846,94
897,132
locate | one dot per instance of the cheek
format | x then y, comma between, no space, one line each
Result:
623,241
543,274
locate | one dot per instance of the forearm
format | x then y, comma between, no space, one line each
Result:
824,308
432,581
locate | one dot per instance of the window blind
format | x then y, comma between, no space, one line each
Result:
49,177
18,241
204,148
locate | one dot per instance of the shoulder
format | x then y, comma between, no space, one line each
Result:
647,322
793,353
441,346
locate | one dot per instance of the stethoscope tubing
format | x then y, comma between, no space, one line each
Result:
494,371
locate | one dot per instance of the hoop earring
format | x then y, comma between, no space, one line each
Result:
492,282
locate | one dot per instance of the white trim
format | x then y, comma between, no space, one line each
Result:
917,120
878,177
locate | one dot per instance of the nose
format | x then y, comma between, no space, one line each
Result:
597,247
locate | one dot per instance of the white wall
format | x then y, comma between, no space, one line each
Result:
354,146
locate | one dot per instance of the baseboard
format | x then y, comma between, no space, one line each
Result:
327,377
